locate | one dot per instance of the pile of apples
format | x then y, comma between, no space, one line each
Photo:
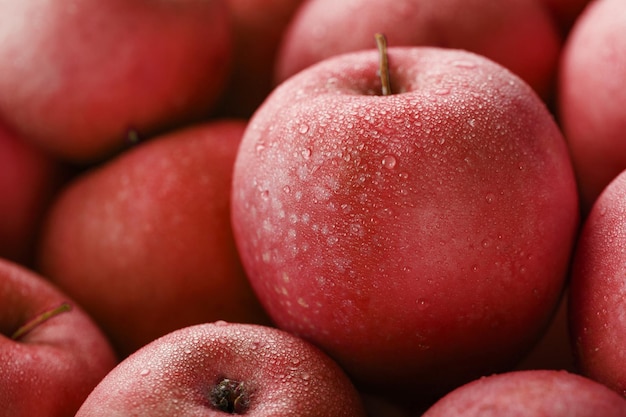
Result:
381,208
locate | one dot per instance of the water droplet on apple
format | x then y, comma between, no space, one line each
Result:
306,153
422,304
305,376
221,323
144,372
489,198
303,129
464,64
442,91
389,161
265,194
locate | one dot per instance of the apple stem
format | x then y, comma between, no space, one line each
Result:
383,70
41,318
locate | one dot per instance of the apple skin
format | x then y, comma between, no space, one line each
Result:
29,179
597,286
77,79
518,34
50,370
258,27
175,374
144,241
420,238
535,393
591,96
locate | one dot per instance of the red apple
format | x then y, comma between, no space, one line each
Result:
216,369
420,238
52,353
530,394
592,97
258,27
518,34
80,79
597,309
29,180
144,241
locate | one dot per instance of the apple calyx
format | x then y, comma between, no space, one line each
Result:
383,70
230,396
39,319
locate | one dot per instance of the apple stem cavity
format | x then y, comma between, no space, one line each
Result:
383,70
41,318
230,396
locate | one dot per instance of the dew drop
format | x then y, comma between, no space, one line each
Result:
442,91
489,198
144,372
221,323
464,64
389,161
306,153
303,129
422,304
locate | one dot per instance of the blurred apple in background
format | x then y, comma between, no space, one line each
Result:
219,369
530,394
144,241
518,34
420,238
258,27
597,308
49,366
592,97
79,78
29,180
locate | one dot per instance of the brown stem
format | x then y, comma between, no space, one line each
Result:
383,71
45,316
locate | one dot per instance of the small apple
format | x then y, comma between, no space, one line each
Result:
591,97
530,394
421,238
597,288
143,242
216,369
518,34
258,27
29,179
81,78
52,353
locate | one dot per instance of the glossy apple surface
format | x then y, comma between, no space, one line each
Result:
51,369
530,394
597,310
422,236
219,369
144,241
591,96
80,78
518,34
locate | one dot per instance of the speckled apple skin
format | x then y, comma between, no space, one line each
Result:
597,310
174,375
533,393
420,237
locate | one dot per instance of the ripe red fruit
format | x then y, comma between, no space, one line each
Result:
216,369
420,238
144,241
